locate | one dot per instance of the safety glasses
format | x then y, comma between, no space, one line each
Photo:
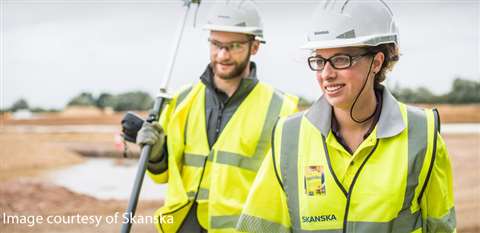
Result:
232,47
339,61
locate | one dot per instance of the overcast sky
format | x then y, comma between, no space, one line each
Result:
51,50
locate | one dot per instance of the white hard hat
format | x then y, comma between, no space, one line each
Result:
236,16
351,23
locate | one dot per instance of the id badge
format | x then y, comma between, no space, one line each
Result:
314,180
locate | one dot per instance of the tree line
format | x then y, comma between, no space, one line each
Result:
463,91
135,100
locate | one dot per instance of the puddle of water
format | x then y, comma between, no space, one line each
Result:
460,128
106,178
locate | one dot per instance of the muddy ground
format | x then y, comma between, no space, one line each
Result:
25,155
29,197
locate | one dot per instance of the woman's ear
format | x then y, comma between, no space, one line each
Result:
378,62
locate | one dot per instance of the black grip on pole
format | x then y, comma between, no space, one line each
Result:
131,124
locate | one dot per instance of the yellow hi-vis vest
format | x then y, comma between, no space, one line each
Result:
218,179
385,192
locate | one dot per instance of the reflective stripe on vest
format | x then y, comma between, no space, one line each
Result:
196,161
182,95
251,223
404,222
253,163
238,160
249,163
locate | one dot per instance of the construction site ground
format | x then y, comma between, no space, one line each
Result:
30,148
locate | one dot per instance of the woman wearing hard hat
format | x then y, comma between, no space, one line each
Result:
358,160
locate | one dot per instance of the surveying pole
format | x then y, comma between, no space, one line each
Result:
153,116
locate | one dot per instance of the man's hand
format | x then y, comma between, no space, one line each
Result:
152,134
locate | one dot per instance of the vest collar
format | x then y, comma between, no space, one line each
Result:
245,87
390,122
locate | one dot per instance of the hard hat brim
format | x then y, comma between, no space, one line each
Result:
236,29
354,42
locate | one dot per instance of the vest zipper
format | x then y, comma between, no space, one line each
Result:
219,121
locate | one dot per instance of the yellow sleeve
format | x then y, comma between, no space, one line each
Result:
290,105
437,202
158,171
266,207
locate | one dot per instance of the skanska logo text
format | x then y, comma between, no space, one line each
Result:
319,218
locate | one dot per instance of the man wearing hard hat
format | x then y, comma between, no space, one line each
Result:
217,131
357,160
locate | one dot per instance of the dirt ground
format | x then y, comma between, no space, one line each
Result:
24,155
28,197
466,113
449,114
465,155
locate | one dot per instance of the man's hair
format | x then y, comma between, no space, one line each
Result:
391,54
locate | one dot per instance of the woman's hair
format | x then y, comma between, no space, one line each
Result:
391,54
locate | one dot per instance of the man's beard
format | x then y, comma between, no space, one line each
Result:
235,73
